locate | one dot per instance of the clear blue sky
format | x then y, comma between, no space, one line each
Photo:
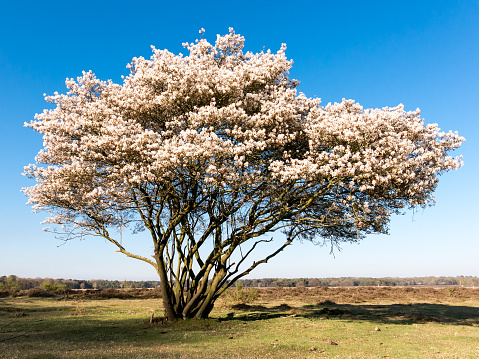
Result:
380,53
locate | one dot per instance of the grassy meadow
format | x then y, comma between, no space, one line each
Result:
358,322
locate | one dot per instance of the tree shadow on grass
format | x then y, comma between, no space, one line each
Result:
246,312
391,313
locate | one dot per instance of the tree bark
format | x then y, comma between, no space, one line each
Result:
165,292
208,303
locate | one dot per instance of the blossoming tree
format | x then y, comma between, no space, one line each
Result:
212,152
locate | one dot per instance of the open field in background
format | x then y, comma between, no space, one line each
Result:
359,322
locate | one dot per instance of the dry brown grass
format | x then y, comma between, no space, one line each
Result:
348,295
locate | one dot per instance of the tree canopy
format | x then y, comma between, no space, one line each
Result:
217,149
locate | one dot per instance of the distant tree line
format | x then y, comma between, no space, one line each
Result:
359,281
13,282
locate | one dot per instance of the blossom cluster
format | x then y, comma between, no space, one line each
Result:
228,120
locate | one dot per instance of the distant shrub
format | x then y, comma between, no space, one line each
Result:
55,287
241,295
151,293
39,292
114,293
9,286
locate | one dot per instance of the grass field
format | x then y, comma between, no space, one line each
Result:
360,322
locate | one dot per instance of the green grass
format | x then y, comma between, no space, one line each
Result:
285,326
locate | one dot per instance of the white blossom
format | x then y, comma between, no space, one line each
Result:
232,124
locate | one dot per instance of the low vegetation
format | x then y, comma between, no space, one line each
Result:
13,282
322,322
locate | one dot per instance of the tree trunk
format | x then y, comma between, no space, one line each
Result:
209,301
166,292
